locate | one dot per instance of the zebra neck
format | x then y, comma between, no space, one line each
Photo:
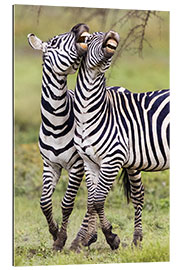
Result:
56,107
89,85
90,97
54,87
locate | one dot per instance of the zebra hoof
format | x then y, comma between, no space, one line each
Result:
86,242
114,242
111,238
76,246
137,238
60,241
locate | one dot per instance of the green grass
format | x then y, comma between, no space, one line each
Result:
33,243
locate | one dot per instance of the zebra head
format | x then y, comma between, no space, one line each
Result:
63,52
101,48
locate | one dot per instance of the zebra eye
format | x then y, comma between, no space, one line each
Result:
54,42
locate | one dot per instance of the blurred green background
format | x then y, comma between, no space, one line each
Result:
138,74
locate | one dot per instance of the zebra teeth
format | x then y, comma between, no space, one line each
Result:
111,45
82,40
86,34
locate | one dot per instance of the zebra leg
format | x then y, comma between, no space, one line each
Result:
111,238
50,178
86,236
106,179
88,233
137,197
91,233
80,239
75,178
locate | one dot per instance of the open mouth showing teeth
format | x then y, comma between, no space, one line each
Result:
82,40
111,45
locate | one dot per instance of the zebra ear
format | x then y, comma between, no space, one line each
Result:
36,43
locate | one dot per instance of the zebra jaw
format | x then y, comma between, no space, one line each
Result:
82,40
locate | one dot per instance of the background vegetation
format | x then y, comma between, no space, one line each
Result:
138,70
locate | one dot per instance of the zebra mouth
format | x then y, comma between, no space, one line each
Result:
110,43
82,40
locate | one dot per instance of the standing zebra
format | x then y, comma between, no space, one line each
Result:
116,128
61,56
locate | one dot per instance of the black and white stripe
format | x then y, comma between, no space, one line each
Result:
116,129
61,56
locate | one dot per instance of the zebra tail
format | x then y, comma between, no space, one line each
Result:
125,183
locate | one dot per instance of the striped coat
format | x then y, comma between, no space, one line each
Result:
116,129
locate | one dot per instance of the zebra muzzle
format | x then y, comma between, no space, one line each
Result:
110,43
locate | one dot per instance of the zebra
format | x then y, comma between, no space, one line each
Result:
61,56
114,129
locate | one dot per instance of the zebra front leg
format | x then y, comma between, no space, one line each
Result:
50,179
77,242
91,233
75,178
88,233
111,238
106,179
82,235
137,197
62,233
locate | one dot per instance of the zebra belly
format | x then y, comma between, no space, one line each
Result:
144,162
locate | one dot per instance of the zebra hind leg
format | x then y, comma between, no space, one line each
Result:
50,178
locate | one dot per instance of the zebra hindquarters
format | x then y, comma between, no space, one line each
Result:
51,176
137,197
